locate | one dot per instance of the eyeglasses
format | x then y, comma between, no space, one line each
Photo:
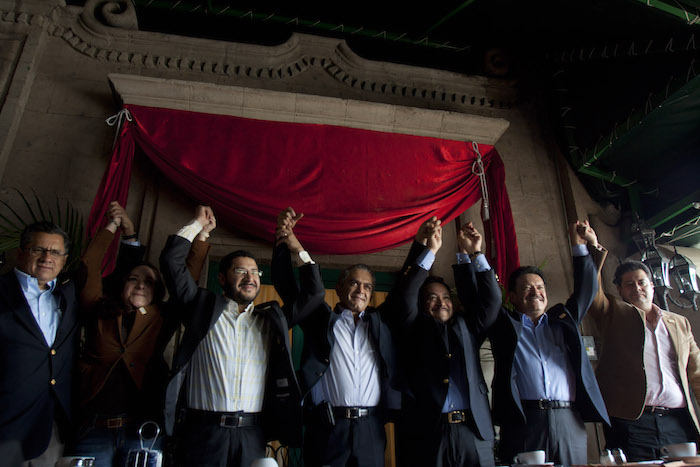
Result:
243,272
39,251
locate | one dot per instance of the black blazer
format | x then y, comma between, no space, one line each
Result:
319,320
505,334
35,379
202,308
427,363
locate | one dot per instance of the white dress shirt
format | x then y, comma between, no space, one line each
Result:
661,367
352,378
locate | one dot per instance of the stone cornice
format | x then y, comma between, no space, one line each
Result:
418,87
264,104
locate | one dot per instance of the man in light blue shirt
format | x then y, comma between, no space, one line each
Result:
38,338
544,387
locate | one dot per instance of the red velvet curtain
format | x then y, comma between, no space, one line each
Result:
361,191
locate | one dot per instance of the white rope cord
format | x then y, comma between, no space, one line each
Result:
118,120
478,170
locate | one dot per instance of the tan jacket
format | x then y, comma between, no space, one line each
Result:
620,371
104,347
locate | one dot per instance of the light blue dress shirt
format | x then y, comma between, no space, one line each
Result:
43,304
542,365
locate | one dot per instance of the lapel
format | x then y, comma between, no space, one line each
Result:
18,304
219,305
462,333
68,316
672,327
144,318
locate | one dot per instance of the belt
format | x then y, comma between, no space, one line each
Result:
112,422
544,404
456,416
354,412
224,419
660,411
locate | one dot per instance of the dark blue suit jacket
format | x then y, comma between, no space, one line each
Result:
505,334
35,379
427,363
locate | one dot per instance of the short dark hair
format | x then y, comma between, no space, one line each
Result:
521,271
227,260
629,266
43,227
346,272
431,280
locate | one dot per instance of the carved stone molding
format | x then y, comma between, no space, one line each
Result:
304,108
90,31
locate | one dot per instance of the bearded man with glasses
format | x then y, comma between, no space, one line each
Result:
240,389
38,338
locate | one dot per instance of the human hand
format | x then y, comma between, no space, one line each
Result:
117,214
205,216
288,218
583,234
284,233
425,230
469,239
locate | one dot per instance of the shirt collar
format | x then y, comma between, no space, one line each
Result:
28,282
530,324
232,305
342,311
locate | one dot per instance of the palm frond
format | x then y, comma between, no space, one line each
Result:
65,215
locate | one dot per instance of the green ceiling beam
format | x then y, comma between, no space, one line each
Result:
674,8
449,15
674,210
217,9
610,177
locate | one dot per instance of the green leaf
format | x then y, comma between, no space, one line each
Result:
29,206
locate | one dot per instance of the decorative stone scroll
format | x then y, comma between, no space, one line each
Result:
107,30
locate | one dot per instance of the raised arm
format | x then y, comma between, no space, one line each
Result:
476,282
601,308
173,260
299,302
129,255
401,307
585,277
200,250
282,268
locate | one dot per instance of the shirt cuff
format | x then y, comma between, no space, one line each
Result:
579,250
190,231
131,242
463,258
426,259
481,263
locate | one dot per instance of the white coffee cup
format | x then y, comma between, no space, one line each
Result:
680,450
529,457
264,462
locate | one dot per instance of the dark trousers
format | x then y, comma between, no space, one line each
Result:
351,442
451,445
210,445
559,432
643,439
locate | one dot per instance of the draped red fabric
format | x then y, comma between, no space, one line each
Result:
361,191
